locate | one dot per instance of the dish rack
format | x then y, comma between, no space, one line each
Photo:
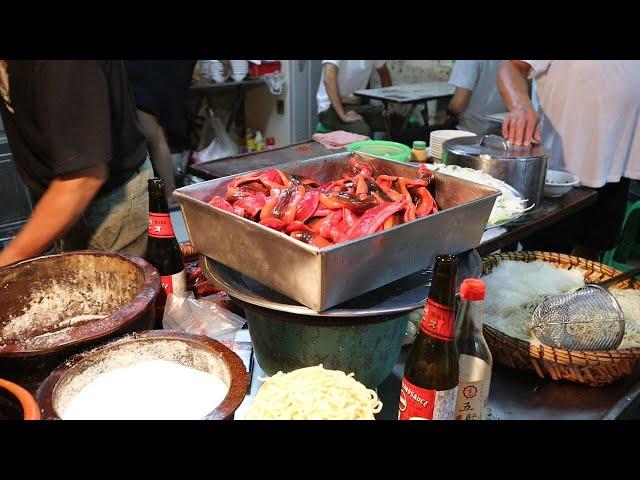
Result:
593,368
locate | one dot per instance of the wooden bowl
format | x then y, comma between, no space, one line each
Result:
195,351
16,402
58,288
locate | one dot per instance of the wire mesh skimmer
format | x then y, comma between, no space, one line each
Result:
588,319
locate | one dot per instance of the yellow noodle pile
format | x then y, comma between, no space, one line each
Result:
314,393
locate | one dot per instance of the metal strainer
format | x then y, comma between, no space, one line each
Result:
588,319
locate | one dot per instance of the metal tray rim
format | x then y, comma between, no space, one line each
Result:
319,250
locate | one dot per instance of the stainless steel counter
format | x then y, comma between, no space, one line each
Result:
517,395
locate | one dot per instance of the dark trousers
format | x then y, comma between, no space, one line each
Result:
372,119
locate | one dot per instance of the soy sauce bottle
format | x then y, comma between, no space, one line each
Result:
163,250
430,383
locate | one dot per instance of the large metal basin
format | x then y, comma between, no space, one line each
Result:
322,278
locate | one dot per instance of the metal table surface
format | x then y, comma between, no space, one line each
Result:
551,211
256,160
227,84
413,94
409,93
515,395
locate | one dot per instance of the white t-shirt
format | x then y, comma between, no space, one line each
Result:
590,117
479,76
352,75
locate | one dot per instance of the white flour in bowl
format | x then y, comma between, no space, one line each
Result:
148,390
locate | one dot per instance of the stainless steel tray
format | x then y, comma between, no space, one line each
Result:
323,277
403,295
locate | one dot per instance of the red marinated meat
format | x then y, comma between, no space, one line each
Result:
221,203
274,223
322,214
297,225
336,201
311,238
308,205
251,204
373,218
425,202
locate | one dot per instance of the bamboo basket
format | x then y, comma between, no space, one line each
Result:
595,368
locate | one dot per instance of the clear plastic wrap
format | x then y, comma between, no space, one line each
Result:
202,316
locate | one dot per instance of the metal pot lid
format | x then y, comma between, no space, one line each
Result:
494,146
401,296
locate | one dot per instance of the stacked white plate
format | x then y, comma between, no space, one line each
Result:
212,70
240,69
438,137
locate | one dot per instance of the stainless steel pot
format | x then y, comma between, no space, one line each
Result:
524,168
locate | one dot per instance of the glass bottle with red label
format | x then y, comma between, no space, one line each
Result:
430,383
475,357
163,250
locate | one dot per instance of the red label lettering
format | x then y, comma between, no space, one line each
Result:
160,225
415,403
438,321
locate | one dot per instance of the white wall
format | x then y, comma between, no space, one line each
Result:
416,71
261,111
261,106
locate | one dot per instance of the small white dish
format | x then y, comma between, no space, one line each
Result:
559,183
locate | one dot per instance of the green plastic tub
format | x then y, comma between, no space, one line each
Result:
382,148
367,346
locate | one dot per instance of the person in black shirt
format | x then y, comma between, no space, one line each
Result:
160,89
74,134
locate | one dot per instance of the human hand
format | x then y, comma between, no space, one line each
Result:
351,117
521,126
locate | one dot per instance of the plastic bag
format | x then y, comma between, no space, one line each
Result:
201,316
222,145
275,82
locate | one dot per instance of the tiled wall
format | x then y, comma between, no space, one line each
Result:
415,71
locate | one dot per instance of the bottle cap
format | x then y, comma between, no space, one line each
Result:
419,144
472,289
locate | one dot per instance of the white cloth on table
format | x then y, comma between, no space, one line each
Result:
352,75
479,76
590,117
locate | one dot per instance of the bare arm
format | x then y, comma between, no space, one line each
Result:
460,100
522,124
331,83
60,207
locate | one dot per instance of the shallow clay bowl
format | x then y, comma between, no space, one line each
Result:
195,351
119,288
17,403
